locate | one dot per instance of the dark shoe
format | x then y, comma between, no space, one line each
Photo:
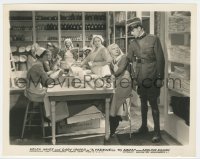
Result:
143,130
156,138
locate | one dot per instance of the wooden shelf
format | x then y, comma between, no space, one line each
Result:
75,40
47,30
180,92
95,21
46,21
181,62
20,53
21,20
46,40
21,41
72,30
179,32
173,74
119,38
69,21
21,30
95,30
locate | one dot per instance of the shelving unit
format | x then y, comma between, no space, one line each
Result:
94,23
21,35
21,27
46,22
71,26
28,27
177,39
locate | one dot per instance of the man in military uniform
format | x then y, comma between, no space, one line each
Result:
146,51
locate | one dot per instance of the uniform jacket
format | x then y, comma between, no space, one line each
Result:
149,49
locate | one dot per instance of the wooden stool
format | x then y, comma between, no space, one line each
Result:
31,111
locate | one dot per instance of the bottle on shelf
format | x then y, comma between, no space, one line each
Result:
72,17
86,17
99,27
80,16
102,27
74,27
81,27
96,27
92,27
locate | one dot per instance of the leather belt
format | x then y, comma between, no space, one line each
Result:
139,60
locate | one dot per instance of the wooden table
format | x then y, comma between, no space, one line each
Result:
58,93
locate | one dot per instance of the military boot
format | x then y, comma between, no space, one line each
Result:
143,129
156,137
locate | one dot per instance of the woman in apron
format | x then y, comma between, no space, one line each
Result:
98,57
68,56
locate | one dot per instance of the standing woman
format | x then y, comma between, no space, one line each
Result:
68,55
31,57
119,68
98,57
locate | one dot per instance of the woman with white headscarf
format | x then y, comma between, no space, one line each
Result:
99,56
68,56
31,57
123,87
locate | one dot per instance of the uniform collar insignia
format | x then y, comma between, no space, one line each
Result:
142,36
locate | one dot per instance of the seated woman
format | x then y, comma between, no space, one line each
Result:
55,51
98,57
38,82
119,68
51,67
48,64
